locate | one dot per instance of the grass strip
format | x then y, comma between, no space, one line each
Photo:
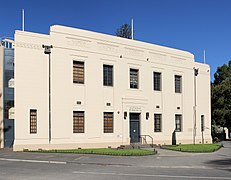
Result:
196,148
102,151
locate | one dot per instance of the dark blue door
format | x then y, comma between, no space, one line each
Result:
135,127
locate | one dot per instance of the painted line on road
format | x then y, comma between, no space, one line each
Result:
150,175
32,161
179,167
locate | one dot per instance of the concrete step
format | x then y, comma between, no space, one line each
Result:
136,146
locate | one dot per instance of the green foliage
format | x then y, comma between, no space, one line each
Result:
124,31
221,96
198,148
103,151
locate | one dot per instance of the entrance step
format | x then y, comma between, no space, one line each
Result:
136,146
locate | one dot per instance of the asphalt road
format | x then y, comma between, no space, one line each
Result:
164,165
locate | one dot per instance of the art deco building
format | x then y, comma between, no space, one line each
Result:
81,89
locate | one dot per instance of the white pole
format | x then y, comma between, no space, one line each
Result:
23,19
132,30
204,56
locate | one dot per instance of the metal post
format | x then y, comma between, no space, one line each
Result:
195,105
47,50
132,29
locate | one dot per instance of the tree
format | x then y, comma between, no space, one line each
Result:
124,31
221,96
222,73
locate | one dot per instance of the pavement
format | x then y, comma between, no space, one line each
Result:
165,165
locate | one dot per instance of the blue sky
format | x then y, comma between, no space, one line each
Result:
191,25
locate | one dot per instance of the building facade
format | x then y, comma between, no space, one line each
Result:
96,90
7,93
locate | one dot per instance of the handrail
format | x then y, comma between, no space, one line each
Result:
145,138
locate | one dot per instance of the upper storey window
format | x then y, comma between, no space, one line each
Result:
178,84
134,78
7,44
78,72
157,81
107,75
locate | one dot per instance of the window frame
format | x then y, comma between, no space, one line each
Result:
107,76
157,81
78,73
132,77
178,87
33,121
107,121
157,126
178,123
77,121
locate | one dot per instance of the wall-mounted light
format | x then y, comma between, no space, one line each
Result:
125,115
147,115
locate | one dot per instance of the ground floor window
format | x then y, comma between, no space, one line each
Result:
33,121
178,121
108,122
78,121
157,122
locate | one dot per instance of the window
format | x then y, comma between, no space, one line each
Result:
157,122
107,75
33,121
78,72
178,84
134,81
8,104
157,81
108,122
78,121
202,123
178,121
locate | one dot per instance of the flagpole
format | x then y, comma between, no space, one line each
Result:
23,19
132,30
204,56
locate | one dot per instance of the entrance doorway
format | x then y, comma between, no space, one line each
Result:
134,127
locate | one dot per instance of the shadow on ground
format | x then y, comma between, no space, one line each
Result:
224,164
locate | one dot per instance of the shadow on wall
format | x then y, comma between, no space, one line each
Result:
174,137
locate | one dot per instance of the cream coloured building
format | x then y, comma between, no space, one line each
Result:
106,91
